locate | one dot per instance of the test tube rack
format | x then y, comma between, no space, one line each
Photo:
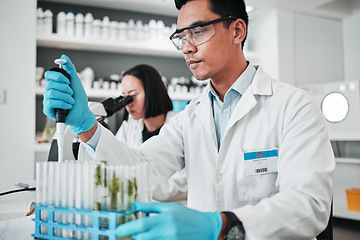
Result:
95,230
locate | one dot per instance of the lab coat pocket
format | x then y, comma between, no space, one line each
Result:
255,180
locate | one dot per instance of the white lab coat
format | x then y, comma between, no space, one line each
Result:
175,188
293,203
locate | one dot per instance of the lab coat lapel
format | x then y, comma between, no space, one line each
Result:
261,85
204,114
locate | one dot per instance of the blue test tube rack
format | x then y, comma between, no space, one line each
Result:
95,230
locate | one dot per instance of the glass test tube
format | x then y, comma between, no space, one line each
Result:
78,197
57,195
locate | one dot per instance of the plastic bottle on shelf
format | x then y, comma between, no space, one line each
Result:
122,31
139,31
106,85
79,25
61,23
166,35
119,87
160,26
146,33
131,30
171,89
70,24
96,29
39,75
113,85
153,27
96,84
114,81
88,25
173,27
105,28
48,22
114,30
39,21
87,77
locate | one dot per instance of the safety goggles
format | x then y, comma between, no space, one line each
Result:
196,34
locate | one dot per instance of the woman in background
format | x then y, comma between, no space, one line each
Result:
143,118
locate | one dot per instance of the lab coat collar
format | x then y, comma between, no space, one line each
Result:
139,125
204,113
261,85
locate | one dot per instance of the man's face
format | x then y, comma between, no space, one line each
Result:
209,59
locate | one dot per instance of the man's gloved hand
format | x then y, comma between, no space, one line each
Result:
173,221
58,94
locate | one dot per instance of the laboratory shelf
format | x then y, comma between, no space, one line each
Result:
348,161
129,47
345,136
345,213
105,45
102,93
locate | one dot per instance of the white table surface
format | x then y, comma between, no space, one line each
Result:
15,225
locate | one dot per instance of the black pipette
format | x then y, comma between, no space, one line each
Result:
60,114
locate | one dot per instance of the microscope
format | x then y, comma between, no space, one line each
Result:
102,110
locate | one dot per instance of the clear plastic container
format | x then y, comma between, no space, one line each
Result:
96,29
123,26
79,25
88,25
105,28
61,23
48,22
114,30
39,21
70,24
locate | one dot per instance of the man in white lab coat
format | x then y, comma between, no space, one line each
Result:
258,159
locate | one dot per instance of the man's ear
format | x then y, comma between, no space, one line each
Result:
239,30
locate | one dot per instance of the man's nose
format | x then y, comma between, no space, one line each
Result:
187,47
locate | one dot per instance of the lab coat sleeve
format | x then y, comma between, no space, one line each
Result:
110,149
301,208
173,190
121,134
164,152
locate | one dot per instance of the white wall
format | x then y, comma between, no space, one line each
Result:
352,66
263,39
352,46
319,54
17,66
297,48
286,41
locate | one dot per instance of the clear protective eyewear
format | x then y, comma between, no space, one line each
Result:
196,34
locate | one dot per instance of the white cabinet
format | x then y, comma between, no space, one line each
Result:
346,176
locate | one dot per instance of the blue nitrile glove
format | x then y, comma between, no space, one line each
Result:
173,221
58,94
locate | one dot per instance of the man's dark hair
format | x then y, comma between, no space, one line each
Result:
157,100
225,8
